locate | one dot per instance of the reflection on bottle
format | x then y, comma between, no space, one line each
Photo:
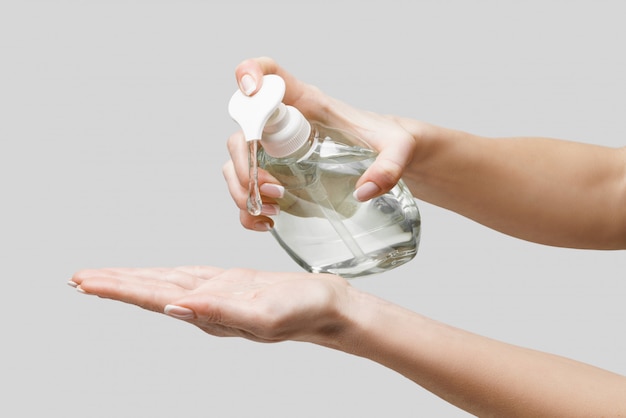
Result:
254,203
324,228
321,225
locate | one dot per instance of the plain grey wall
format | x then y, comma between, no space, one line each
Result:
113,125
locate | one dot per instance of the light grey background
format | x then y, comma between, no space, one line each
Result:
113,126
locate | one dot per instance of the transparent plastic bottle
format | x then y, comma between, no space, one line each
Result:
321,225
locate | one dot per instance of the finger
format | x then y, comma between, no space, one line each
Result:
249,74
88,274
268,186
378,179
386,170
239,153
259,223
218,312
150,294
155,276
240,194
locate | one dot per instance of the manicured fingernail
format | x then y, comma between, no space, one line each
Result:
262,226
270,210
366,191
272,190
179,312
72,283
81,290
248,85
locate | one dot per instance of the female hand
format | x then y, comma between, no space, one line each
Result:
387,135
260,306
480,375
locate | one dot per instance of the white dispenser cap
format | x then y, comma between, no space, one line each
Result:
252,112
285,132
282,129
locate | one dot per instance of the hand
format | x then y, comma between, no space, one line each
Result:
388,135
480,375
260,306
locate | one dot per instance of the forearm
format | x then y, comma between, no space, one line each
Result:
480,375
543,190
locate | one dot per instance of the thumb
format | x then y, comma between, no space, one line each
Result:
383,174
210,308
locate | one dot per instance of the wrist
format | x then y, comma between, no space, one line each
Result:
442,157
356,321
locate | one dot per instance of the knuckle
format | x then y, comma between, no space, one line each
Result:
388,173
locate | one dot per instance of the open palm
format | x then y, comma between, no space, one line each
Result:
260,306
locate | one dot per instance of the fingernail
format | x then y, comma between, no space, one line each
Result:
262,226
270,210
179,312
272,190
248,85
72,283
366,191
81,290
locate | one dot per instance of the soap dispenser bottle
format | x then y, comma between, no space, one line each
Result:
321,225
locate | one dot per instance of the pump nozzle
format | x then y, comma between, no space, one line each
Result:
252,112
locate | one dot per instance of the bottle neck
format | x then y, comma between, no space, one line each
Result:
285,132
307,149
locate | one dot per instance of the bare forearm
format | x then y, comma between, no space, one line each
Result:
543,190
481,375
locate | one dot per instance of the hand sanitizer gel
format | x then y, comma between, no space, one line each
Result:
321,225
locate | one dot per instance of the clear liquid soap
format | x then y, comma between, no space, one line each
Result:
321,225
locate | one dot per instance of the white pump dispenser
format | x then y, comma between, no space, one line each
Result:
252,112
285,132
321,225
281,129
